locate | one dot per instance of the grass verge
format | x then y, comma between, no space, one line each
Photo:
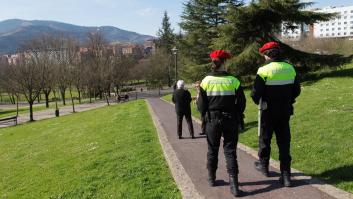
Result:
111,152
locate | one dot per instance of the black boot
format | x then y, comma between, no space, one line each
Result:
262,167
212,178
234,186
285,179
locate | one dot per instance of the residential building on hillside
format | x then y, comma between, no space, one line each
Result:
150,47
3,59
338,27
341,26
297,33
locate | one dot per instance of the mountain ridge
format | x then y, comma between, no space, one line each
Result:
14,32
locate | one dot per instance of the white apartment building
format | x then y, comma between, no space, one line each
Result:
341,26
296,33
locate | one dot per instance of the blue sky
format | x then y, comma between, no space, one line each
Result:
142,16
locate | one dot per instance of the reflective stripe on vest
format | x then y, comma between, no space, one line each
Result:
277,73
220,86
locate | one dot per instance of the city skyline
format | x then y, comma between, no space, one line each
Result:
139,16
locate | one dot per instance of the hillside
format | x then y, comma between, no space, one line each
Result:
14,32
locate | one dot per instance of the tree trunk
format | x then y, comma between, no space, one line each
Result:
31,111
46,99
107,99
72,100
62,92
12,99
79,95
38,99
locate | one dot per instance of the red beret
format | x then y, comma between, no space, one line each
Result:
220,54
269,45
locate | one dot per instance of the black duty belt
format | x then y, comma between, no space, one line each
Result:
221,114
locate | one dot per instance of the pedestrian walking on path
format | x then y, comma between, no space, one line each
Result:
275,88
182,99
221,96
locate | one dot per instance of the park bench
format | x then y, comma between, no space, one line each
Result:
8,119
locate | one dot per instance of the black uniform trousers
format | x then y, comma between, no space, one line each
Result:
279,124
219,125
203,124
188,118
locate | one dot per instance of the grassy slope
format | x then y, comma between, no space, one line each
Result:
95,154
322,129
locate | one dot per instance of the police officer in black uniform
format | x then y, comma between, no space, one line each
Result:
276,86
221,98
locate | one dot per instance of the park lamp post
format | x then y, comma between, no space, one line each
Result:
175,53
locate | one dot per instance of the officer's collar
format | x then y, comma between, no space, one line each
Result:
274,60
219,73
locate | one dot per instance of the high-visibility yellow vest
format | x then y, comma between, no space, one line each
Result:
277,73
220,85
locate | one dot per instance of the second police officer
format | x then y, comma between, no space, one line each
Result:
276,86
221,99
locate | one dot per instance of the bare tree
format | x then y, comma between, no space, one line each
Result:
5,84
72,65
157,75
26,77
100,62
62,68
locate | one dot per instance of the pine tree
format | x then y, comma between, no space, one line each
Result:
201,20
165,34
252,25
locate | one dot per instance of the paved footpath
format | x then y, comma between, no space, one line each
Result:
50,113
67,110
191,154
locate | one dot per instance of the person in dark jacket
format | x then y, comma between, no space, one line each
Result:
222,100
182,99
275,88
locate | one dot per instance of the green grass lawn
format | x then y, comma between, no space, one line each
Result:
322,128
111,152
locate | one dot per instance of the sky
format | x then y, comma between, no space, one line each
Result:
141,16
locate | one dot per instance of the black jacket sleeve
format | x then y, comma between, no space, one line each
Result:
202,102
296,88
241,100
258,89
188,94
173,97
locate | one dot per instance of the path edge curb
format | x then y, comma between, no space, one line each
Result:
182,179
298,175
